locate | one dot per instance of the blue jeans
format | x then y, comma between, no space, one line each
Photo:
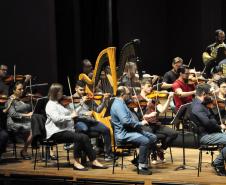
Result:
216,138
95,126
144,142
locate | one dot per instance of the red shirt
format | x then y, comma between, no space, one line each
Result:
185,88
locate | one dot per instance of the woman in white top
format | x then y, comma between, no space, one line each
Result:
60,128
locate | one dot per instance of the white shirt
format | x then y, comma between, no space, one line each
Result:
58,119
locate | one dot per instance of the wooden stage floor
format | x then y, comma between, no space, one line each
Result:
161,172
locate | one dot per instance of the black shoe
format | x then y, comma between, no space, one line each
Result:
99,167
53,157
25,156
80,169
220,170
135,161
145,171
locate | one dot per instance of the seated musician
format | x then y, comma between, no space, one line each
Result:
128,128
209,129
221,101
86,122
3,141
60,127
129,78
4,89
211,55
87,68
151,113
19,117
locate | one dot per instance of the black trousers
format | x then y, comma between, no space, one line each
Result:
3,140
163,133
81,143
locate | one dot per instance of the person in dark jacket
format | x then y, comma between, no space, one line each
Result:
209,129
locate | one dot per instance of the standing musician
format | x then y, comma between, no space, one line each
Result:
86,122
210,55
151,114
60,127
209,129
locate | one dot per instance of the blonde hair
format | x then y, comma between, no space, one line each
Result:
54,89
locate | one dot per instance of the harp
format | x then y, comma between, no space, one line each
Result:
104,59
129,53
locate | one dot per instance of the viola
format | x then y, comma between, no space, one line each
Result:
10,78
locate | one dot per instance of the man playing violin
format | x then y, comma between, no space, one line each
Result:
208,127
183,90
151,114
86,122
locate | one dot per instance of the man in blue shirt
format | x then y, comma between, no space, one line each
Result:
129,129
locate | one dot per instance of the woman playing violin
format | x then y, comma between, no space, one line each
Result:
19,117
151,114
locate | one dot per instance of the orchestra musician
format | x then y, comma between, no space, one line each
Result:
60,127
87,68
209,129
129,129
171,76
86,122
151,113
210,55
19,117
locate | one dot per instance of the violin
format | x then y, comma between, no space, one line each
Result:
28,97
10,78
211,103
66,100
136,102
97,96
3,98
158,94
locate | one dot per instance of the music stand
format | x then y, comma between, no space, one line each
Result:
180,116
40,106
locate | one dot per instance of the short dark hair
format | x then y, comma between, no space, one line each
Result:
202,88
80,83
121,91
221,81
182,69
218,31
177,59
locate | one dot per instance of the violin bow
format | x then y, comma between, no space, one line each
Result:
69,86
189,62
196,77
142,113
32,105
218,110
14,73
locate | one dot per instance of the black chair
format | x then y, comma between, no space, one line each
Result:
203,147
123,147
39,139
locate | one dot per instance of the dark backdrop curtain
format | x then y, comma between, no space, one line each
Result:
49,38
